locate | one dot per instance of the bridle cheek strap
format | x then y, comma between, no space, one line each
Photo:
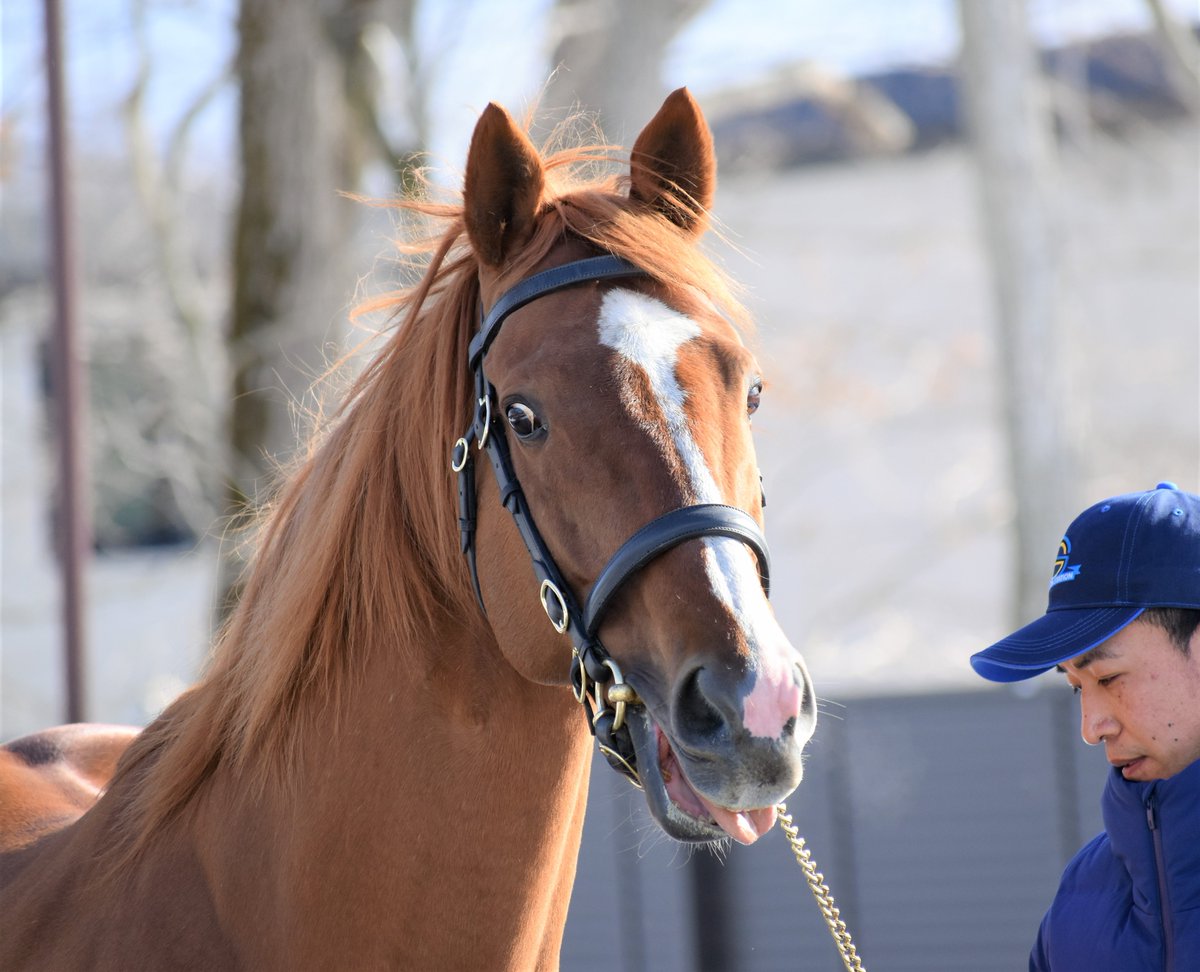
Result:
592,668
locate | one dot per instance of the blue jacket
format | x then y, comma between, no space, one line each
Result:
1130,900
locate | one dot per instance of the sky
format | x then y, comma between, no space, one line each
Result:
492,50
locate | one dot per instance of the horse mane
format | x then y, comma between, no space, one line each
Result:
359,550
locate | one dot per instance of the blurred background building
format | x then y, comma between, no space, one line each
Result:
933,419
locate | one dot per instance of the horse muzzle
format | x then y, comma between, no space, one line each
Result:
706,775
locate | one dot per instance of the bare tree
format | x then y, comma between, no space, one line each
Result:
1012,134
1181,56
187,460
297,152
607,56
309,123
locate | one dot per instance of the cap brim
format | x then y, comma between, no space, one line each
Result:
1052,638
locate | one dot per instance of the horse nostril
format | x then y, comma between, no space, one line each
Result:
789,728
695,716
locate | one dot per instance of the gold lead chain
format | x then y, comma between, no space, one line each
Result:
820,890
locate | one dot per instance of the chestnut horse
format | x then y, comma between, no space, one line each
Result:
384,764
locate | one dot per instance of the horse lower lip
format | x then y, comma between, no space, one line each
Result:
744,826
679,791
676,821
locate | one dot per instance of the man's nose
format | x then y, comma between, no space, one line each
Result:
1096,720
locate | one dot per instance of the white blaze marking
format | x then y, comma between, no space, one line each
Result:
648,334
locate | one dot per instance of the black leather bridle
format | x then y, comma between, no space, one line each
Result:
592,668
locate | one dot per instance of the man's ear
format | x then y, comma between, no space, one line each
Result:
673,167
503,187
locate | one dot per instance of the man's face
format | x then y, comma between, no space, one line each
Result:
1140,696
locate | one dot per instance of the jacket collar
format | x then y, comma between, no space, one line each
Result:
1175,804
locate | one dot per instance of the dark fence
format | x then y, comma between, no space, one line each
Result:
941,823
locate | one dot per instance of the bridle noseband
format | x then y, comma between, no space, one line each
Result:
592,668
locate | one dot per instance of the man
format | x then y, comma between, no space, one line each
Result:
1123,625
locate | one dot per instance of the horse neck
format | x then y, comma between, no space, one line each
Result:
359,763
449,787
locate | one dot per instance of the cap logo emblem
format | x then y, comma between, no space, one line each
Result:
1063,569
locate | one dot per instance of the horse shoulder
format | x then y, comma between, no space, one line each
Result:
51,778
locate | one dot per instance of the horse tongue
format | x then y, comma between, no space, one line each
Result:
744,826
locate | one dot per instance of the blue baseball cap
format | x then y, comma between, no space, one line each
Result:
1119,557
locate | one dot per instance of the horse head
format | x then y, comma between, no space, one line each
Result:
622,400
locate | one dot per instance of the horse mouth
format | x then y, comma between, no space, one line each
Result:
675,804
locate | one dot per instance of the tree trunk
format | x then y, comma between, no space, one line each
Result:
291,282
608,55
1013,141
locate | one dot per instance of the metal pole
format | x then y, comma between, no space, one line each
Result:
70,380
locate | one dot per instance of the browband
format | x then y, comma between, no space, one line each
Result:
540,284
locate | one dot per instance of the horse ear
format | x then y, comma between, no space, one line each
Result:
673,166
502,188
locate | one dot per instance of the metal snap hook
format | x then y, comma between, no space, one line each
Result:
560,621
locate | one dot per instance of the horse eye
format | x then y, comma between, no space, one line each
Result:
523,421
754,398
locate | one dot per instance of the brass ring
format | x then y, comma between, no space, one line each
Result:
486,404
627,697
633,774
549,588
583,678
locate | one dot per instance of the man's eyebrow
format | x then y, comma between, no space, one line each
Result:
1096,654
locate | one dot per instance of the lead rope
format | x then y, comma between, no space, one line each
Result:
820,890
